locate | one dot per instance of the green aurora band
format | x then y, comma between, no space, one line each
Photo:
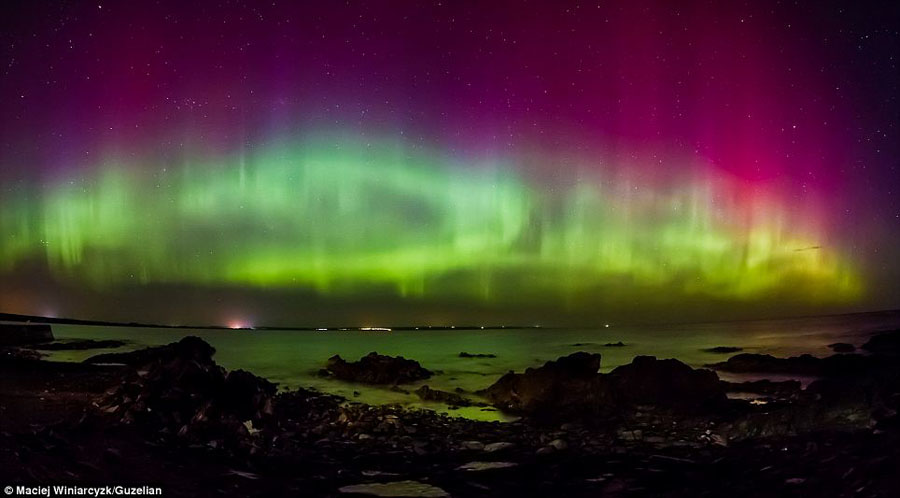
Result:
342,217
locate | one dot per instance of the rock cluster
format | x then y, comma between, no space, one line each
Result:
572,387
376,369
178,390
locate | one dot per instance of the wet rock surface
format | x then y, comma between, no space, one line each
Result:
377,369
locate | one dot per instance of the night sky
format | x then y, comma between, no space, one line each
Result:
369,163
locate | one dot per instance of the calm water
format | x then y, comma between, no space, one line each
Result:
292,358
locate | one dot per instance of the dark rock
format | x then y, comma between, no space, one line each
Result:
20,334
377,369
571,387
835,365
476,355
723,349
190,347
666,383
619,344
886,343
563,387
826,405
842,347
765,386
426,393
179,389
79,344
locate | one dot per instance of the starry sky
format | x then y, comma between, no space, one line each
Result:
391,162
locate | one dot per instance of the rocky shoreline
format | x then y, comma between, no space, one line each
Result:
170,416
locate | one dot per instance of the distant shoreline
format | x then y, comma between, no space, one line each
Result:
18,318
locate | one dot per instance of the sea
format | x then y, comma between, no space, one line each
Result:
293,358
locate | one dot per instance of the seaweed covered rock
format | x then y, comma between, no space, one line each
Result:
376,369
178,389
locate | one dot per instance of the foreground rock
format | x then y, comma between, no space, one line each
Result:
377,369
178,390
571,387
19,334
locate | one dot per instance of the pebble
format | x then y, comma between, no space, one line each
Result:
480,466
472,445
558,444
491,448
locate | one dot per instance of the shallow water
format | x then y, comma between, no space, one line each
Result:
292,358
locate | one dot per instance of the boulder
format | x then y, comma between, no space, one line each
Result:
20,334
571,387
842,347
178,389
190,347
666,383
885,344
377,369
567,386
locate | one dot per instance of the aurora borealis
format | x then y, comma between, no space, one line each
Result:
402,162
